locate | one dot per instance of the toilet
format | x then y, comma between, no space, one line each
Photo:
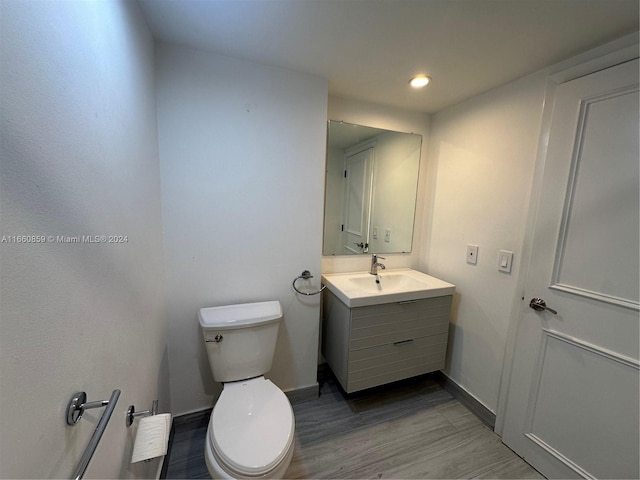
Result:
251,430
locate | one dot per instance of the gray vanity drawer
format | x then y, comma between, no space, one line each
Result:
388,363
401,307
378,344
389,323
391,334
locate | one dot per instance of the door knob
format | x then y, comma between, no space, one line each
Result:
539,305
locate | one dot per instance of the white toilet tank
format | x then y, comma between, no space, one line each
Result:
240,339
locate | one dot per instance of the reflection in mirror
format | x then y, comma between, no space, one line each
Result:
370,190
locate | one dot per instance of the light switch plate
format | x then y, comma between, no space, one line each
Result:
505,259
472,254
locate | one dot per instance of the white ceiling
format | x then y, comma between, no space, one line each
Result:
368,49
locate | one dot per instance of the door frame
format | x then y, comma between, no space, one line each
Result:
350,152
605,56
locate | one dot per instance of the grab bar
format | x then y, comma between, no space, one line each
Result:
78,404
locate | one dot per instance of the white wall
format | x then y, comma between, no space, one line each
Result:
79,157
242,149
378,116
483,152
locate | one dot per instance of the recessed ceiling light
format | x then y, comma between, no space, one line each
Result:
419,81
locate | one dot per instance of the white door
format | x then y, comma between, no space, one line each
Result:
572,406
358,184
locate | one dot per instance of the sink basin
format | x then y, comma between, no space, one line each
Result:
388,283
360,289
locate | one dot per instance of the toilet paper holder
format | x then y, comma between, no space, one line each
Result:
132,414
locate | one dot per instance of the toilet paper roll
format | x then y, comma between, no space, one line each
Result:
152,437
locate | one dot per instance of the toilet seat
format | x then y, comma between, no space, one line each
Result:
252,427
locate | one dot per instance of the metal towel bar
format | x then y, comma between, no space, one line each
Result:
77,406
306,275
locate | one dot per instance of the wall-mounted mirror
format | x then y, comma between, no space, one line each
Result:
370,190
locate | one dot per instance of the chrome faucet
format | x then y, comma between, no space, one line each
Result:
375,264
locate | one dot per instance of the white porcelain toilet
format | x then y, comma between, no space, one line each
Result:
251,431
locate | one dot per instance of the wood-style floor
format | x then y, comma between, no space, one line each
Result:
410,429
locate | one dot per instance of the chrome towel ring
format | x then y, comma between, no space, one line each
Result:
306,275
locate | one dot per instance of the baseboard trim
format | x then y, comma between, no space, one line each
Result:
485,415
303,394
200,417
187,421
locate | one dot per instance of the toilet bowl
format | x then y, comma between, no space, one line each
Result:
251,430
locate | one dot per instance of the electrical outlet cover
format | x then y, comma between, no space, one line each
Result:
472,254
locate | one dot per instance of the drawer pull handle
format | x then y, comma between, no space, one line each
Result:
407,301
403,342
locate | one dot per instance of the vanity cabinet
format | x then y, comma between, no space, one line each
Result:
377,344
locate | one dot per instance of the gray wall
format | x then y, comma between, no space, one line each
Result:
242,149
79,157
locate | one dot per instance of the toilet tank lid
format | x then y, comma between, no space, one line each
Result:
240,315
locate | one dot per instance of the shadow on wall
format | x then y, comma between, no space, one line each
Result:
283,360
455,340
458,336
139,470
164,386
209,385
